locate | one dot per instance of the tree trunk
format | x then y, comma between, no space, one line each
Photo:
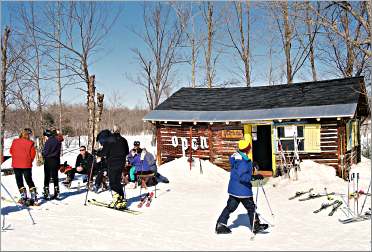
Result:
310,36
59,86
287,42
91,111
98,116
247,51
350,58
4,69
209,46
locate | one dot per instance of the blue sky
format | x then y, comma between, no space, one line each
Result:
116,61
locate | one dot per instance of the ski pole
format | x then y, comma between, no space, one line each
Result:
353,176
267,200
369,187
254,215
28,210
348,189
90,177
357,194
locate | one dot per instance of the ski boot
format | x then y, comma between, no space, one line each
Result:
32,201
67,182
56,193
23,193
222,229
259,227
46,194
118,202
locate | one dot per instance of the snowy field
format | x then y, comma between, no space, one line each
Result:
184,214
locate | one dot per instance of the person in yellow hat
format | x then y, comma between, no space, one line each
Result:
240,190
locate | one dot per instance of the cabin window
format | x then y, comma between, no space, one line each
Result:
312,138
286,135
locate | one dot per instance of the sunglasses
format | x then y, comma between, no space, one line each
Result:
82,150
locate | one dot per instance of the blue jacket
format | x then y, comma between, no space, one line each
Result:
143,162
240,175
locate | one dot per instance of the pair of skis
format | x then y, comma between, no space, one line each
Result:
318,195
146,199
298,194
107,205
336,204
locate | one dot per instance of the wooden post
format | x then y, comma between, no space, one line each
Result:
158,145
190,147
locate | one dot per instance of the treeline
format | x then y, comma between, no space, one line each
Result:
75,118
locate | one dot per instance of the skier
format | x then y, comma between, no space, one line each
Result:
51,154
240,190
115,149
23,153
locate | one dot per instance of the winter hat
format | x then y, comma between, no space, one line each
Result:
244,145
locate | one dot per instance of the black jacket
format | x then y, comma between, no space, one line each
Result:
52,148
85,162
115,150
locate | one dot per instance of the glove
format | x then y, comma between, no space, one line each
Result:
257,177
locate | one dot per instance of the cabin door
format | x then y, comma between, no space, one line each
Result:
262,151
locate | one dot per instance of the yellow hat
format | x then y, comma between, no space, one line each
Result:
244,145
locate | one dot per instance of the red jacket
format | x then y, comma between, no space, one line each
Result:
23,153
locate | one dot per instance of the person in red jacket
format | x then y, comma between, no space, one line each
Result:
23,153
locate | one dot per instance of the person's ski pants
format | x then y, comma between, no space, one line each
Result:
51,167
232,205
114,174
23,172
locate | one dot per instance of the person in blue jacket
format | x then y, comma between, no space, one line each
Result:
240,190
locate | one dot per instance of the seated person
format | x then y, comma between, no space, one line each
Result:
144,163
83,165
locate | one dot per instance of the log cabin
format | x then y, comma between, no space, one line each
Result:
318,120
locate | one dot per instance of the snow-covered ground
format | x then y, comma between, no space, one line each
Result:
184,214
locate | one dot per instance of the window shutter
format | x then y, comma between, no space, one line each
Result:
312,138
349,135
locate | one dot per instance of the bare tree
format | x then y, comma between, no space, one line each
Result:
84,26
210,66
348,35
162,35
194,37
242,44
4,69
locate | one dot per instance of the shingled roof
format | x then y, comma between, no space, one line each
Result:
328,98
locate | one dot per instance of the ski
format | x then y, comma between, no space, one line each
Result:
314,196
104,204
335,207
149,199
298,194
326,205
362,217
143,200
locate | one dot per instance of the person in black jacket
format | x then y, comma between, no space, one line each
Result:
51,154
83,165
115,149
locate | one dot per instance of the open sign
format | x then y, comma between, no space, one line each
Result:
194,143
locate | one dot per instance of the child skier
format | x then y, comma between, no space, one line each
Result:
240,190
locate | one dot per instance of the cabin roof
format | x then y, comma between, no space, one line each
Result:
320,99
